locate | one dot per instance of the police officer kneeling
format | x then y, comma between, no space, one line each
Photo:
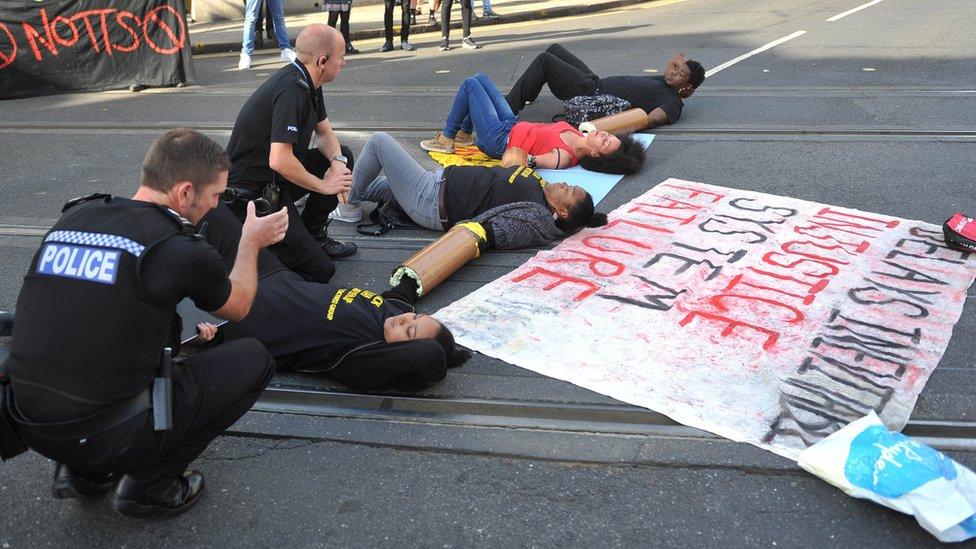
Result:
98,307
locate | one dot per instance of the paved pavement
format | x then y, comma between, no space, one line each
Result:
366,21
496,455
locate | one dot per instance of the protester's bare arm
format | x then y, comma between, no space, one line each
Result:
257,233
514,156
657,117
553,160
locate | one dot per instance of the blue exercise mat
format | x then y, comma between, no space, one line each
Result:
597,184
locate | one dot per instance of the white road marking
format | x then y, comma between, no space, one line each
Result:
760,49
854,10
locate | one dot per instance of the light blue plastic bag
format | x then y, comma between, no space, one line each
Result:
866,460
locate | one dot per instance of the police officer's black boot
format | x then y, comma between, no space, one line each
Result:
160,498
70,483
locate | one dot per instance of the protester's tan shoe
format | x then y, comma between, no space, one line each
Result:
438,144
464,139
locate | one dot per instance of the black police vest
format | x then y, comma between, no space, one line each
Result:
85,326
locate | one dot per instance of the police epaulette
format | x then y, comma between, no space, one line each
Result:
188,229
82,199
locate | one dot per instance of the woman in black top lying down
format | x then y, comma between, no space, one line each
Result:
362,339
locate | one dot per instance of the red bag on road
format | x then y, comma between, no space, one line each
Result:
960,233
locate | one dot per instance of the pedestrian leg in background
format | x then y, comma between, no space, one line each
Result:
565,75
263,15
466,14
268,23
344,29
486,10
406,14
247,43
281,31
433,6
388,6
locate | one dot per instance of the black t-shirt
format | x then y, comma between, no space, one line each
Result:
186,267
291,314
285,109
473,190
645,92
181,266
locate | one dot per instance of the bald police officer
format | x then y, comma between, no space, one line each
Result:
269,149
98,307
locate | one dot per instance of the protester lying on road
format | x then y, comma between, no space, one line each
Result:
362,339
479,105
518,208
567,76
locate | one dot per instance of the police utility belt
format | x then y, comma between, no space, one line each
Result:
158,397
267,199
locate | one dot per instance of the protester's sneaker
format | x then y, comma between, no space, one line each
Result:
469,44
387,47
464,139
438,144
347,213
288,55
245,62
445,45
336,250
405,46
490,14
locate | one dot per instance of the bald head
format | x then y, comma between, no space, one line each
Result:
317,40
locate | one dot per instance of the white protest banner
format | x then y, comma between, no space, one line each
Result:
760,318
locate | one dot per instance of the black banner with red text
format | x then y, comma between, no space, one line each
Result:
57,46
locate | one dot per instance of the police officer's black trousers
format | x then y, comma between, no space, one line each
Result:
211,391
565,74
299,251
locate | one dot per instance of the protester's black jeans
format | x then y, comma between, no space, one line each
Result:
404,20
565,74
211,391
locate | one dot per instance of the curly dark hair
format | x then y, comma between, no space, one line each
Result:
581,214
456,356
626,160
697,75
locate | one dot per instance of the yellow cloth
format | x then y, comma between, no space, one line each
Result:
464,156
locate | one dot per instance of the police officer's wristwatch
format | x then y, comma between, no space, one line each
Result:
340,158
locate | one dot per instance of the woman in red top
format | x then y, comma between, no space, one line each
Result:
480,107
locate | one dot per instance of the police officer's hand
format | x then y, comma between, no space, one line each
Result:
264,231
337,180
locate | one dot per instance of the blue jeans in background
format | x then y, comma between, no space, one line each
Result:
480,106
251,15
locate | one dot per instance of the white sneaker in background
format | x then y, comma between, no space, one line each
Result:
347,213
288,55
245,62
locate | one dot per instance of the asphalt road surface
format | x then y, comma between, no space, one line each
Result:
874,110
